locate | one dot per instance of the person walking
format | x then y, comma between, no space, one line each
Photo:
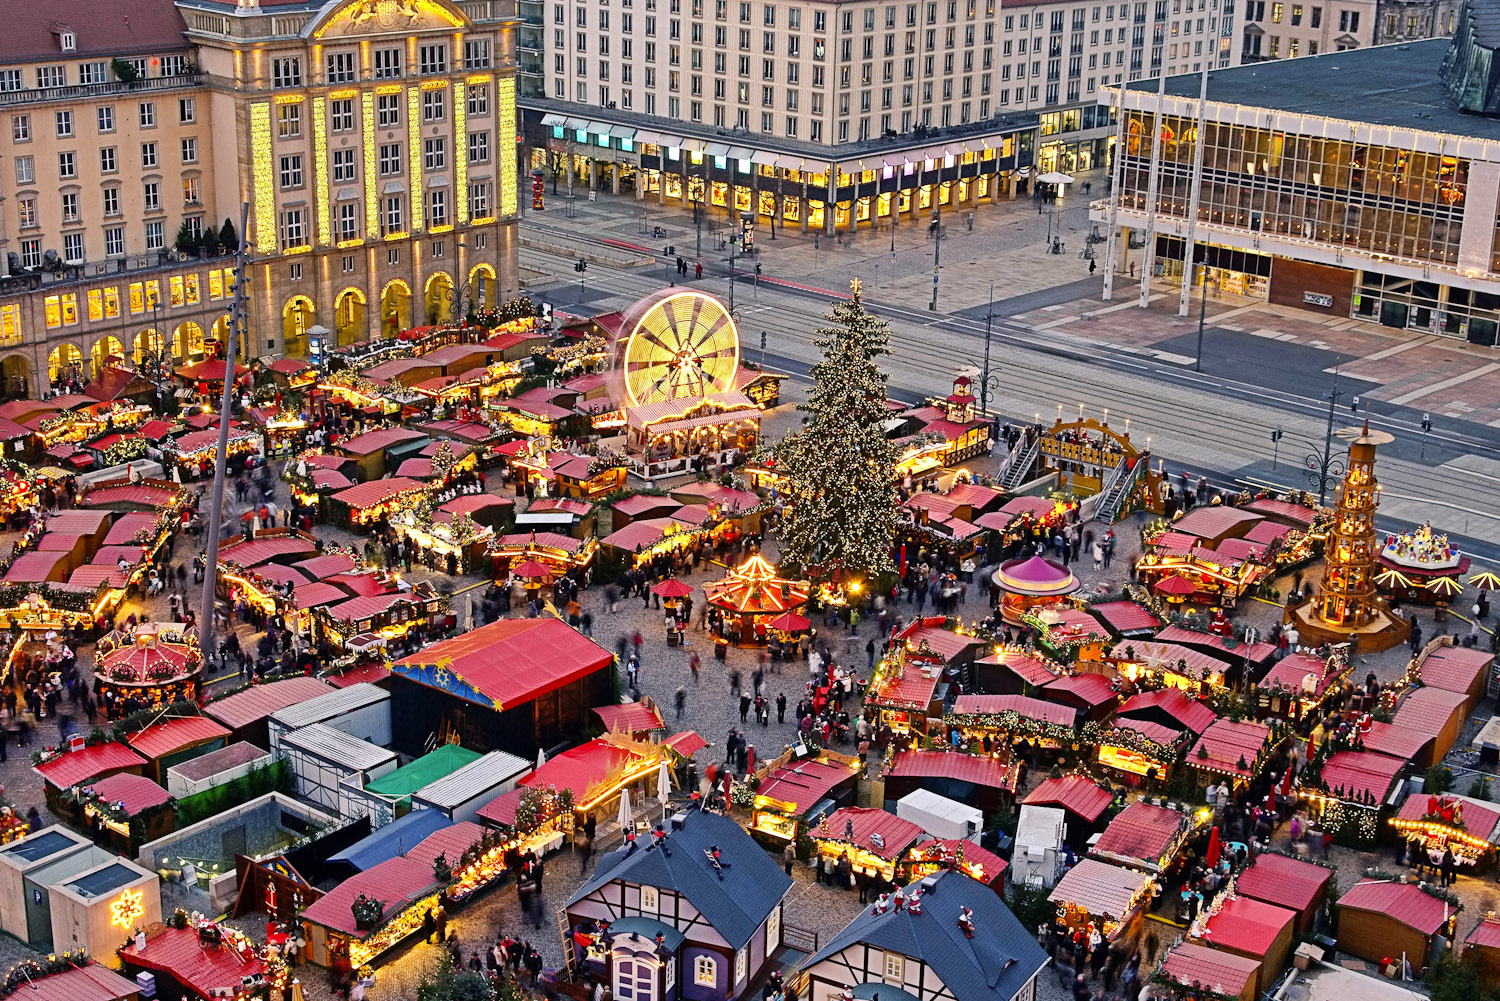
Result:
679,699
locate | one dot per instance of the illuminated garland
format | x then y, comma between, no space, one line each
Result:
1104,734
124,450
31,969
509,311
537,806
1010,721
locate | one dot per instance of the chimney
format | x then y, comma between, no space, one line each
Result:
75,742
679,820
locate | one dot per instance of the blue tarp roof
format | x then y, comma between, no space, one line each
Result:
393,839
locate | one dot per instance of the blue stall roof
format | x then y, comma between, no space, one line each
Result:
393,839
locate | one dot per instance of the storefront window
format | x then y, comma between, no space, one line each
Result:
791,208
652,181
841,214
718,193
1070,120
767,204
1050,123
815,215
885,205
741,199
820,179
963,189
674,185
924,200
867,177
862,211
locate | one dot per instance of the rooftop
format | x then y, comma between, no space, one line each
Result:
1077,793
1284,881
1391,85
1190,964
1407,903
896,835
511,661
176,952
1247,925
259,701
1100,888
1142,833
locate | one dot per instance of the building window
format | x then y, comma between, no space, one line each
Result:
64,124
190,191
740,958
10,324
73,247
291,171
286,71
437,208
434,105
156,237
104,303
705,972
432,59
67,165
51,76
393,256
187,110
114,241
148,154
289,120
294,272
108,161
348,228
70,206
479,100
477,54
111,201
387,63
190,150
341,115
479,202
106,117
293,230
343,165
31,253
349,262
147,114
479,147
20,128
434,154
389,110
341,67
220,283
62,310
10,80
393,214
26,208
895,968
152,196
95,72
649,899
173,65
390,159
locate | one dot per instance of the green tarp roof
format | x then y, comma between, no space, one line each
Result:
423,772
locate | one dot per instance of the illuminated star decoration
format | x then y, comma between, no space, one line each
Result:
126,908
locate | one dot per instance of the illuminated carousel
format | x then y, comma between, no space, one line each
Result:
750,596
1028,585
1420,566
150,667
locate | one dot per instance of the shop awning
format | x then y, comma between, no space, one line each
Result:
554,119
693,145
577,123
763,156
647,136
622,132
740,153
716,149
675,142
598,128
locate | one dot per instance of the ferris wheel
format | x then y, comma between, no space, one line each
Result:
681,344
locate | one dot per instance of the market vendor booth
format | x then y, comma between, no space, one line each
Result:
1193,968
1031,584
1096,895
562,554
1300,684
1137,748
370,913
873,841
750,596
1232,750
1412,565
1482,948
188,963
794,791
1249,929
1388,920
516,685
79,763
1014,671
1435,712
1146,837
1295,884
149,667
982,780
1351,789
1094,695
1085,801
1469,828
594,776
1456,669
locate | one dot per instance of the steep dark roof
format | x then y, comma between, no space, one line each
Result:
736,906
100,28
1000,958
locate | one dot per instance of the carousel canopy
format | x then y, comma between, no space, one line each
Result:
1035,577
753,588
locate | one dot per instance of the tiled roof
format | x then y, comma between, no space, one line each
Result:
134,793
378,441
1247,925
1094,689
803,783
1225,972
1404,902
989,865
1141,832
1037,709
1073,624
1289,671
912,689
896,834
1455,668
502,809
323,567
1284,881
630,717
395,882
1358,774
100,29
176,952
451,841
376,491
1076,793
639,534
638,504
142,494
470,503
89,983
1429,710
72,768
1163,735
171,735
128,526
1101,888
1191,713
1252,652
34,567
259,701
1211,522
979,769
512,661
1396,741
1125,616
944,642
265,547
1227,743
1266,532
367,605
581,767
288,366
355,675
1029,669
315,593
92,576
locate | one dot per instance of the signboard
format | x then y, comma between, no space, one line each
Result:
1317,299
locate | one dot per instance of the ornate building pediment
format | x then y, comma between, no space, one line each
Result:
360,18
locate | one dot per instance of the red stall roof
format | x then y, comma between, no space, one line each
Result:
1407,903
980,769
262,548
373,673
1094,689
1190,964
1289,671
1455,668
502,809
1252,652
1486,934
1210,522
88,983
1191,713
1141,833
1480,818
34,567
1356,774
580,767
1395,741
1247,925
913,689
259,701
946,643
1429,710
896,835
451,841
128,526
143,494
990,865
1168,655
1227,743
73,768
1283,509
803,783
1037,709
396,882
1075,793
376,441
512,661
170,735
323,567
376,491
1125,616
1283,881
630,717
1100,888
1028,669
134,793
176,952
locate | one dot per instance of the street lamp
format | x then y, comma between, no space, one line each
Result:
988,380
1202,314
1322,465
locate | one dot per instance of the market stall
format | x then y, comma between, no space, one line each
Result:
1146,837
981,780
873,841
125,811
563,554
939,854
1387,920
1346,790
792,791
1189,969
149,667
1467,827
1300,684
196,451
1096,895
1234,750
1298,885
749,596
357,922
1412,562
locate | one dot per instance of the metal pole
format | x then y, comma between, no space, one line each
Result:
1117,173
984,375
1333,398
215,512
1152,188
732,243
1200,126
1202,314
937,244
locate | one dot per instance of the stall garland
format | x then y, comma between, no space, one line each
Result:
30,969
124,450
1010,721
1431,889
1102,734
1164,986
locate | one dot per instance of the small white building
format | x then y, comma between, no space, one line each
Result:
324,761
1037,856
99,908
460,794
362,710
943,818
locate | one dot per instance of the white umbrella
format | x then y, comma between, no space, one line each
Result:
468,616
541,757
626,817
663,787
1055,177
177,475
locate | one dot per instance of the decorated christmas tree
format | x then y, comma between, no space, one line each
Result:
840,467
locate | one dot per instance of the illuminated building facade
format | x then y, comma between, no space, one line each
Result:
375,143
1317,195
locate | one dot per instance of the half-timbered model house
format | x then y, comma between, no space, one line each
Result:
946,937
691,912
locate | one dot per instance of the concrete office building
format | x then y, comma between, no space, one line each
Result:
1279,29
375,142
